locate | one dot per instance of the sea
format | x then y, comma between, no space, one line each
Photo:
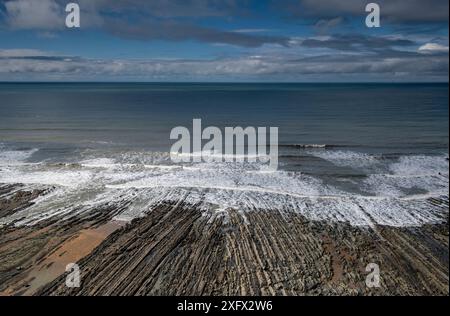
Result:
365,154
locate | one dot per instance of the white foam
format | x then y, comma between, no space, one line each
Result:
106,163
344,158
424,173
311,145
420,165
139,182
219,157
8,157
386,185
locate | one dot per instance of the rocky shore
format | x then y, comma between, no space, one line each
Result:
179,249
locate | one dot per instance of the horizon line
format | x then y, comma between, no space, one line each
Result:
229,82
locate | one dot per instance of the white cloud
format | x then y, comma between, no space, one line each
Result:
326,25
252,30
30,14
20,53
433,48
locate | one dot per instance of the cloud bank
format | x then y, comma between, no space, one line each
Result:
418,51
413,66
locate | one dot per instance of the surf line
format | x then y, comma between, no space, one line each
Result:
249,144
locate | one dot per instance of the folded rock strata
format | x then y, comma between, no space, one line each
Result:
179,249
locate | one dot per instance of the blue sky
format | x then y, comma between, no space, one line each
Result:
224,40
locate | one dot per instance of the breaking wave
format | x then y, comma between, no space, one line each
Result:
394,192
309,146
15,156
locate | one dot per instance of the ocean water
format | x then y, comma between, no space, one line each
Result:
360,153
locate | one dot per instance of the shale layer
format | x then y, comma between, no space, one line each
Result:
179,249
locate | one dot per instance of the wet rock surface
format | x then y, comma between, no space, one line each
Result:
12,199
179,249
22,248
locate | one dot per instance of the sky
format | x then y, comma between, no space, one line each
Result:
224,41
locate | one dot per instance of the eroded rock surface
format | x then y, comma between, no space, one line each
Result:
177,251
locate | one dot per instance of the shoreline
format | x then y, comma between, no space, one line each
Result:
177,250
